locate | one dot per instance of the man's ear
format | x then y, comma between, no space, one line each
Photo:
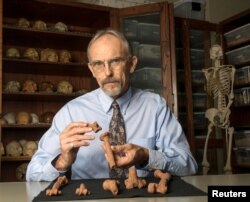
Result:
91,69
133,62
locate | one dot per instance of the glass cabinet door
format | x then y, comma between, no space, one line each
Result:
149,29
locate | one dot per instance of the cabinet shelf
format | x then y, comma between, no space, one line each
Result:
238,43
38,96
14,159
21,66
41,39
25,126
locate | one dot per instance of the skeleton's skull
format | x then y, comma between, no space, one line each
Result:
29,86
10,118
2,149
31,53
23,23
64,87
14,149
49,55
61,27
64,56
13,53
216,52
47,117
40,25
21,172
46,86
12,86
29,148
23,118
34,118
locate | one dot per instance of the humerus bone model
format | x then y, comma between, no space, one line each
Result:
220,81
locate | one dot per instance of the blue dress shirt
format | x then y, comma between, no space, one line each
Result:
149,123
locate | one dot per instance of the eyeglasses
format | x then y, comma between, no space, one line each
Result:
114,63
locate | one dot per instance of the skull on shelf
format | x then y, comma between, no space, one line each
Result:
23,118
64,56
29,86
64,87
40,25
10,118
12,86
49,55
29,148
2,149
34,118
31,53
13,53
23,23
46,86
47,117
22,142
21,172
61,27
14,149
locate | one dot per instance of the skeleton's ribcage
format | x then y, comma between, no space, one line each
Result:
219,82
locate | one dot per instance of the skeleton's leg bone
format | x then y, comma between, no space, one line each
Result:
228,168
205,163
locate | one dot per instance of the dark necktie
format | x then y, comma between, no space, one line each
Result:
117,126
118,136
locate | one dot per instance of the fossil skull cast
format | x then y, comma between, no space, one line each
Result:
29,148
29,86
64,87
23,23
47,117
23,118
2,149
12,86
40,25
61,27
21,172
64,56
13,53
46,86
49,55
14,149
31,53
10,117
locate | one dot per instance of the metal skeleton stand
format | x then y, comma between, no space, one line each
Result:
220,81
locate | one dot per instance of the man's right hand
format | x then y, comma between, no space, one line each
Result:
72,138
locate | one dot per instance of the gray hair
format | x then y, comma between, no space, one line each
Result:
113,32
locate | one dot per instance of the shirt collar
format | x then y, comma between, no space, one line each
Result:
123,101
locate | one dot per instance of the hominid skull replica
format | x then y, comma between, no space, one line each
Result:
12,87
46,86
23,118
29,148
34,118
23,23
31,53
64,87
29,86
64,56
10,117
2,149
22,142
49,55
40,25
61,27
21,172
13,53
47,117
14,149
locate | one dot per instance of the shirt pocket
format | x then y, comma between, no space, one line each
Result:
144,142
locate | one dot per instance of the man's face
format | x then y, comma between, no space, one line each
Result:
110,65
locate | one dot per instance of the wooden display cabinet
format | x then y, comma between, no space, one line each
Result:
82,21
240,110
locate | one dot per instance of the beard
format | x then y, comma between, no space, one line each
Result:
112,87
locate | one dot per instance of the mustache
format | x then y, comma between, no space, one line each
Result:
109,80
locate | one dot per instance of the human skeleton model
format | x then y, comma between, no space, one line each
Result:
220,80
